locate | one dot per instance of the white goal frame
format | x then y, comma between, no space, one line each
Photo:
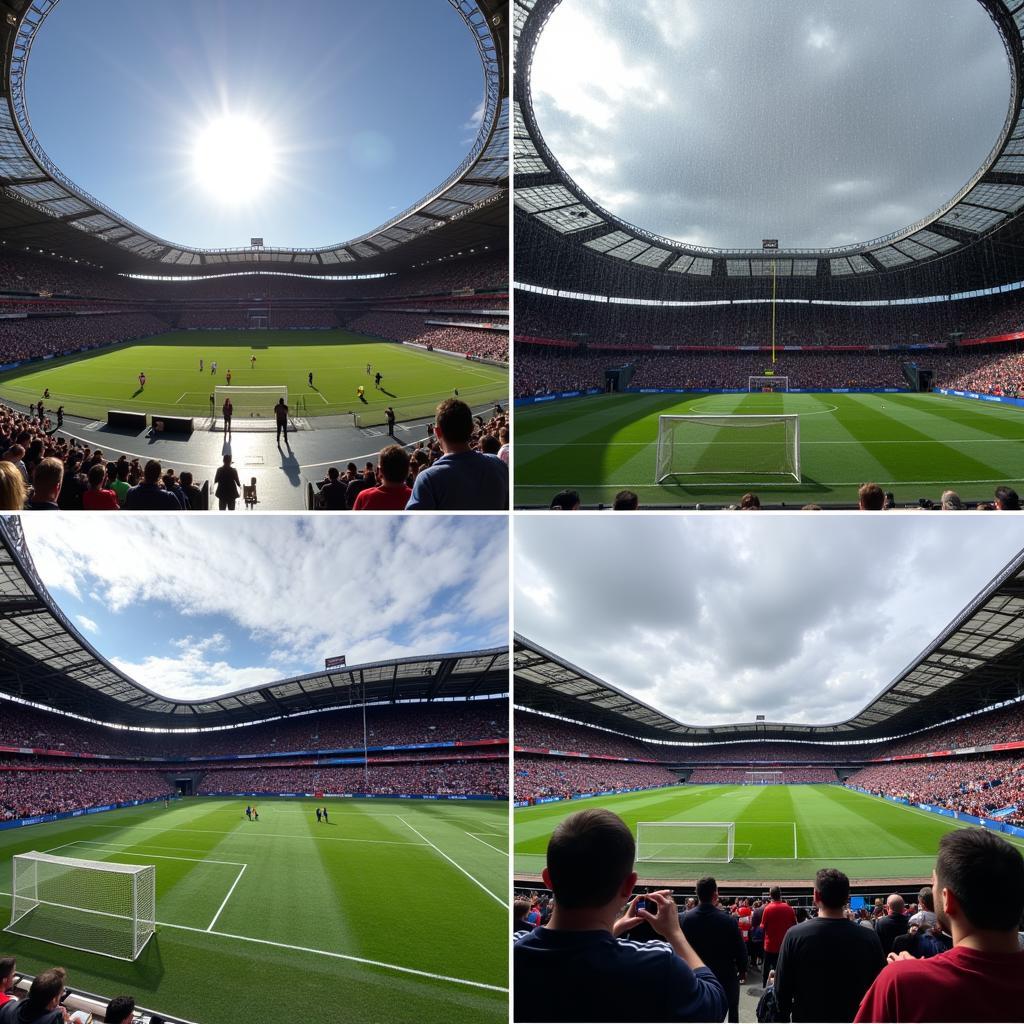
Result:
667,443
267,395
762,778
36,878
680,854
756,383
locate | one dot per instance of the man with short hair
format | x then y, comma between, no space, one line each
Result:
978,886
150,496
576,968
281,416
826,964
870,498
42,1004
332,494
716,939
193,495
46,481
892,926
626,501
392,494
778,917
462,478
7,965
360,484
925,916
1007,499
120,1010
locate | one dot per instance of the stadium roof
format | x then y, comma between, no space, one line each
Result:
989,203
976,662
42,210
44,659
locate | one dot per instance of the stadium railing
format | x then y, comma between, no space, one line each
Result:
96,1005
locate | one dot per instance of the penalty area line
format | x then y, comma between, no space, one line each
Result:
459,867
220,909
474,835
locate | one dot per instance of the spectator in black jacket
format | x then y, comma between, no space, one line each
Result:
828,963
41,1005
893,925
715,937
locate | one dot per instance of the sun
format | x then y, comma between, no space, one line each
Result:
234,158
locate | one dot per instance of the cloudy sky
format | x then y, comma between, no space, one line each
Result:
718,619
818,122
191,607
369,106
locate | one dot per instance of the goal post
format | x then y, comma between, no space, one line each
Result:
734,444
96,906
683,842
766,383
762,778
246,402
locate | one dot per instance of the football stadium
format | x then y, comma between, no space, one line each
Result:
117,341
691,374
289,849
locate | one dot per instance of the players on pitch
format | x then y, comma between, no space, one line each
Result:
321,816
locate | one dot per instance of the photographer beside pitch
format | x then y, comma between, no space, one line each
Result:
576,968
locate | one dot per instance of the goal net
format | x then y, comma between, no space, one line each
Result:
728,445
249,402
96,906
762,778
772,383
686,841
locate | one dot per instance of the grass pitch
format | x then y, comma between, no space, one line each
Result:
414,381
395,909
864,836
914,445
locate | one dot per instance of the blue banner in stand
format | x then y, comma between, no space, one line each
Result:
556,395
40,819
743,391
979,397
586,796
945,812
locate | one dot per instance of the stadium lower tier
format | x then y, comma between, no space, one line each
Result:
756,835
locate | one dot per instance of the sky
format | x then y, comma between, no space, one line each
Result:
369,107
193,607
817,122
717,619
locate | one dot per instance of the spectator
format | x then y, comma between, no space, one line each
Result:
46,481
120,1010
750,503
894,924
978,882
1007,500
461,478
42,1004
193,495
716,939
925,917
332,494
361,483
566,501
7,976
826,964
777,919
119,485
626,501
392,493
227,486
951,502
577,969
12,488
520,908
870,498
150,496
98,497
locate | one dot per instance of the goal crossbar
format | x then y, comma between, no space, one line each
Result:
728,444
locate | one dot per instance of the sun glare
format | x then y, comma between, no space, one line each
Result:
234,158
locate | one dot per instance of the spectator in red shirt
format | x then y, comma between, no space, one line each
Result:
392,493
777,919
978,881
7,965
98,497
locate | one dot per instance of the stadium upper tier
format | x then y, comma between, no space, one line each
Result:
973,664
43,210
45,660
566,235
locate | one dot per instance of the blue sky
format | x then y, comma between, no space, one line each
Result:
194,606
371,106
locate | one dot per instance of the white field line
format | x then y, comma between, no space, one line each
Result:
324,952
474,835
245,835
459,867
226,898
751,444
117,847
693,485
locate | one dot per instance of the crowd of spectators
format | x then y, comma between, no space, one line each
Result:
537,776
1003,725
976,785
786,774
539,731
480,342
427,778
31,337
26,794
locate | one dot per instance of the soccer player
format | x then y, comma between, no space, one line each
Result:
142,381
252,361
213,368
368,369
318,815
326,819
377,380
255,814
248,812
200,364
227,377
390,414
310,378
359,393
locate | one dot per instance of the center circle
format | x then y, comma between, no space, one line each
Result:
818,122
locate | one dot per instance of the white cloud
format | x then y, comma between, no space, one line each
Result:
87,624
